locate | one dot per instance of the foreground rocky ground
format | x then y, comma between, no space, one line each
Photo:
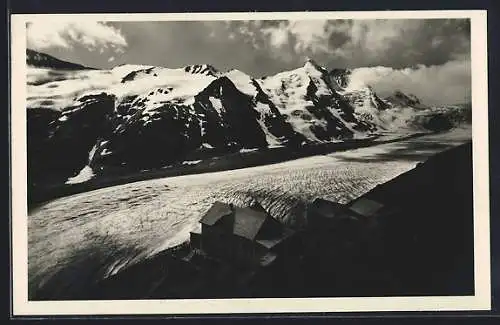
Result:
79,239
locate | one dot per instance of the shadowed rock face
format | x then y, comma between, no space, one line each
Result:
341,76
59,142
238,117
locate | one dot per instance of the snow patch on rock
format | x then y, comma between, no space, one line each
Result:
84,175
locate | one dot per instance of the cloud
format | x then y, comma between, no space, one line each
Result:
68,34
306,35
448,83
389,42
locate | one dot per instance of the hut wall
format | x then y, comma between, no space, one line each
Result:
219,243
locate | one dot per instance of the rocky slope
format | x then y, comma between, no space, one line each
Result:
83,121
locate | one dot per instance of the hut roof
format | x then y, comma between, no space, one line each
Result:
248,222
326,208
215,213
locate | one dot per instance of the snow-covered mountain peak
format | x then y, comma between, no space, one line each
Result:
313,68
400,99
242,81
311,61
124,69
237,74
204,69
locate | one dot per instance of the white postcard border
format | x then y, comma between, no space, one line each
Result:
480,301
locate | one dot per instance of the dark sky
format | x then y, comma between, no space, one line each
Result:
416,53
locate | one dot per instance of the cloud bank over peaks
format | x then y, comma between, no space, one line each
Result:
434,85
353,43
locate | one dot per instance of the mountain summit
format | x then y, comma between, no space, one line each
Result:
400,99
42,60
205,69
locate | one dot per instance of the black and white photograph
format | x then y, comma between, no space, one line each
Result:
280,163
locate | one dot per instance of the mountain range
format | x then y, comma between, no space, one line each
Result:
85,120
